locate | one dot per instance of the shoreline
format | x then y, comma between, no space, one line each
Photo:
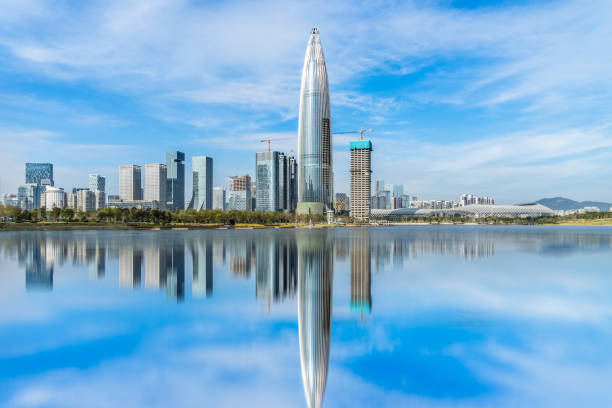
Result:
59,226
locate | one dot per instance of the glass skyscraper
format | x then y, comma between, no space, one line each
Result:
267,182
39,173
202,168
315,171
175,161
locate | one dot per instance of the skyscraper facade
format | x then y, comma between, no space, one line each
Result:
97,185
361,171
175,162
267,181
97,182
202,168
218,198
29,196
287,183
240,193
130,179
315,172
156,181
39,173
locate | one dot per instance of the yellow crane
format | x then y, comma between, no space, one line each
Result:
269,140
360,131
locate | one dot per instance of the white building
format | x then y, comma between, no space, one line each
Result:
130,182
54,197
218,198
86,200
156,183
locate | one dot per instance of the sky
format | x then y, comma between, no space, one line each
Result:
498,98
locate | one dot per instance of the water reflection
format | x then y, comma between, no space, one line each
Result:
278,267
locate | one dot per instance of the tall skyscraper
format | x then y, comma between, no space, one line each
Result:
175,161
361,171
156,181
240,193
315,171
218,198
202,168
130,179
287,182
267,181
39,173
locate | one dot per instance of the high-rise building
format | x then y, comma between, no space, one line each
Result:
12,200
29,196
175,161
267,181
86,200
218,198
398,190
361,173
379,186
156,181
97,182
39,173
130,179
202,168
240,192
315,170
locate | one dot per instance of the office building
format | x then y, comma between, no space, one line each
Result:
39,173
29,196
361,183
398,190
97,182
156,181
53,198
315,170
202,168
240,193
287,183
396,202
86,200
379,187
175,162
71,201
218,198
130,179
266,181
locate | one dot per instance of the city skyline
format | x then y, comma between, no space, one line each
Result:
509,100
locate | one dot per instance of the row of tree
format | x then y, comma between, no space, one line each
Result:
137,215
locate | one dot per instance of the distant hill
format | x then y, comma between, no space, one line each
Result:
560,203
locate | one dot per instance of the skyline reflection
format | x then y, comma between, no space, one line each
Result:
307,279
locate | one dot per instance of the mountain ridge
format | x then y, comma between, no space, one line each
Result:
562,203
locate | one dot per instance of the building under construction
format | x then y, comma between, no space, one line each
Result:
361,170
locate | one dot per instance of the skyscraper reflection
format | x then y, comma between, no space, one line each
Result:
175,272
276,272
130,267
202,260
315,278
361,272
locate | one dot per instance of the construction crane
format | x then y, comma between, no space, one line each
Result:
360,131
270,140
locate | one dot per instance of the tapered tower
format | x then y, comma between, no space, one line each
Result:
315,170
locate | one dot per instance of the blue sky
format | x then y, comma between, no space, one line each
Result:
506,99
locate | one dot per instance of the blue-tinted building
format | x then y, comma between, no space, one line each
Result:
202,168
39,173
175,161
267,181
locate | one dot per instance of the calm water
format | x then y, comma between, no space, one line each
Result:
404,316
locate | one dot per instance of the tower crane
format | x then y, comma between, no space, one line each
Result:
360,131
270,140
